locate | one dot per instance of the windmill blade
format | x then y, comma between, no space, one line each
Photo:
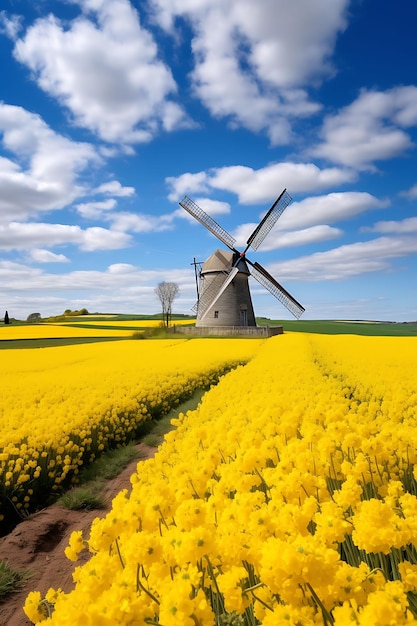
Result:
207,294
201,216
211,295
277,290
266,225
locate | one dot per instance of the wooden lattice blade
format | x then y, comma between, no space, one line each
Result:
269,220
206,220
266,280
206,303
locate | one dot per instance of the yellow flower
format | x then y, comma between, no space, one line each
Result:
346,614
377,528
176,608
33,607
292,467
408,573
232,585
76,544
387,607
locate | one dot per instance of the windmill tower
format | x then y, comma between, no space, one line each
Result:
234,306
224,295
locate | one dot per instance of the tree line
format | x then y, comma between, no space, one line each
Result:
166,292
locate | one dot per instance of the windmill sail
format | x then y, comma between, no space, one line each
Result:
210,296
207,295
238,302
266,280
210,302
269,220
201,216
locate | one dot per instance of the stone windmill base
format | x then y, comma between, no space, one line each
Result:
228,331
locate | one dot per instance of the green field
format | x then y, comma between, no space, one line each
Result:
11,344
101,322
326,327
350,327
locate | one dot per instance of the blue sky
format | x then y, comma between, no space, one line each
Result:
111,111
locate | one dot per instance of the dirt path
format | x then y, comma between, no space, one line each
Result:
37,544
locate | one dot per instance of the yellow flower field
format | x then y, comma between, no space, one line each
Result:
288,497
62,406
80,329
58,331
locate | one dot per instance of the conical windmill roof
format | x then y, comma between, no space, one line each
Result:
222,260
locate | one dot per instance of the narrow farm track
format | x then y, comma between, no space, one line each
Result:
37,544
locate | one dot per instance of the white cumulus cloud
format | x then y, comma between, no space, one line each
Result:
253,186
370,129
105,68
46,256
346,261
253,60
43,173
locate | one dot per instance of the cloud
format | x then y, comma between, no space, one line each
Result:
16,275
121,268
120,287
346,261
97,238
10,25
114,188
279,46
408,225
43,176
263,185
327,209
370,129
19,236
104,67
22,236
276,240
307,221
45,256
302,237
185,184
252,62
254,186
94,210
411,193
139,222
213,207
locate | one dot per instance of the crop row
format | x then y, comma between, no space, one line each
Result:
84,328
287,497
59,331
60,407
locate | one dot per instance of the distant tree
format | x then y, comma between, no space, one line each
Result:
33,317
76,313
167,292
6,318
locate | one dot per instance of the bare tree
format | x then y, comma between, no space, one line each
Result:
166,293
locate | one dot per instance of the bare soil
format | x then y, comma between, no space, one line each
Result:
37,545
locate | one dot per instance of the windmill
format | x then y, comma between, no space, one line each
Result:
224,295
